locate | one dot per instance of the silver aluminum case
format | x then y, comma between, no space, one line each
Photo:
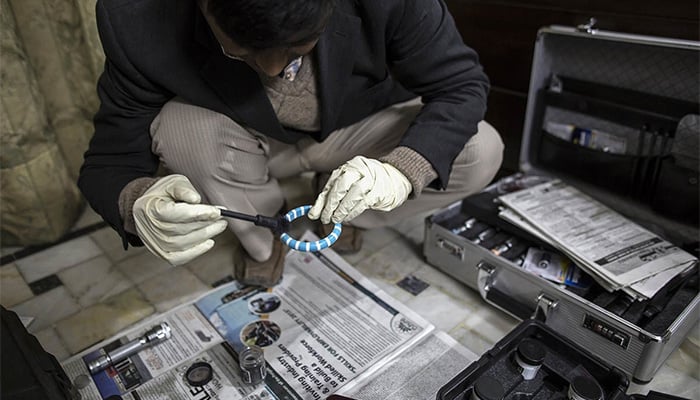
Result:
518,293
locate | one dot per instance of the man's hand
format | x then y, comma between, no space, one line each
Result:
357,185
171,222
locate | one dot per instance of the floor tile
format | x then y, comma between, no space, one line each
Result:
413,285
687,357
393,290
57,258
483,328
13,288
448,285
111,244
170,289
47,308
396,260
94,280
477,343
4,251
373,240
103,320
45,284
668,380
52,343
442,310
143,266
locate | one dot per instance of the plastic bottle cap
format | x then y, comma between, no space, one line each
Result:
531,352
487,388
583,388
199,374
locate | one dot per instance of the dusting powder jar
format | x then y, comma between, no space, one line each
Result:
529,357
584,388
252,363
487,388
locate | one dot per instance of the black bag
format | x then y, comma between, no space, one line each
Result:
28,371
677,193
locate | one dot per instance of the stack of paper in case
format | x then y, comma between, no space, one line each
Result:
618,253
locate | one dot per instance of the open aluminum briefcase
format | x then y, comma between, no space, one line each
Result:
641,95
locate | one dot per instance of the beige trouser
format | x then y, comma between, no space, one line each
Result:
238,168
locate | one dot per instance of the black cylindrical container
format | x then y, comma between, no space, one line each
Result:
583,388
487,388
529,358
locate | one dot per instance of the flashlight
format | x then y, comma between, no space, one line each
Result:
153,336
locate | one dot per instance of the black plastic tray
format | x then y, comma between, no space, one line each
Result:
564,361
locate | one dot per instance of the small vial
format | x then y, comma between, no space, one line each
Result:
484,235
584,388
487,388
505,246
467,225
529,358
252,363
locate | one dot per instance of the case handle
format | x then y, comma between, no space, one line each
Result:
451,248
486,280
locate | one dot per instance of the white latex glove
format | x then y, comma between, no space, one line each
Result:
357,185
171,222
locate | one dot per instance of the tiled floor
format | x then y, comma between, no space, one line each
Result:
87,289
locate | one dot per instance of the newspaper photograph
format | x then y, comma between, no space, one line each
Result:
597,238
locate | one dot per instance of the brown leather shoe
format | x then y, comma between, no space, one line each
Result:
349,242
267,273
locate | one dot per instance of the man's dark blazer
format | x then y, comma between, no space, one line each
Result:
372,54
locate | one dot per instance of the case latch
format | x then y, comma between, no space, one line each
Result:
484,277
545,306
589,27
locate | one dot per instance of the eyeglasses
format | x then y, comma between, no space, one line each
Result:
289,72
231,56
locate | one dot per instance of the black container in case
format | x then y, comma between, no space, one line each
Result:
567,372
615,116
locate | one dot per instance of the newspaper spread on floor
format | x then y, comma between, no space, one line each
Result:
324,329
617,252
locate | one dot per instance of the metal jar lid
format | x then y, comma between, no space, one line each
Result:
199,374
487,388
531,351
583,388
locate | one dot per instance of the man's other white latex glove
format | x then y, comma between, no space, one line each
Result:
360,184
171,222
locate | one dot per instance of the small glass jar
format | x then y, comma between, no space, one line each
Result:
487,388
529,358
584,388
252,363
